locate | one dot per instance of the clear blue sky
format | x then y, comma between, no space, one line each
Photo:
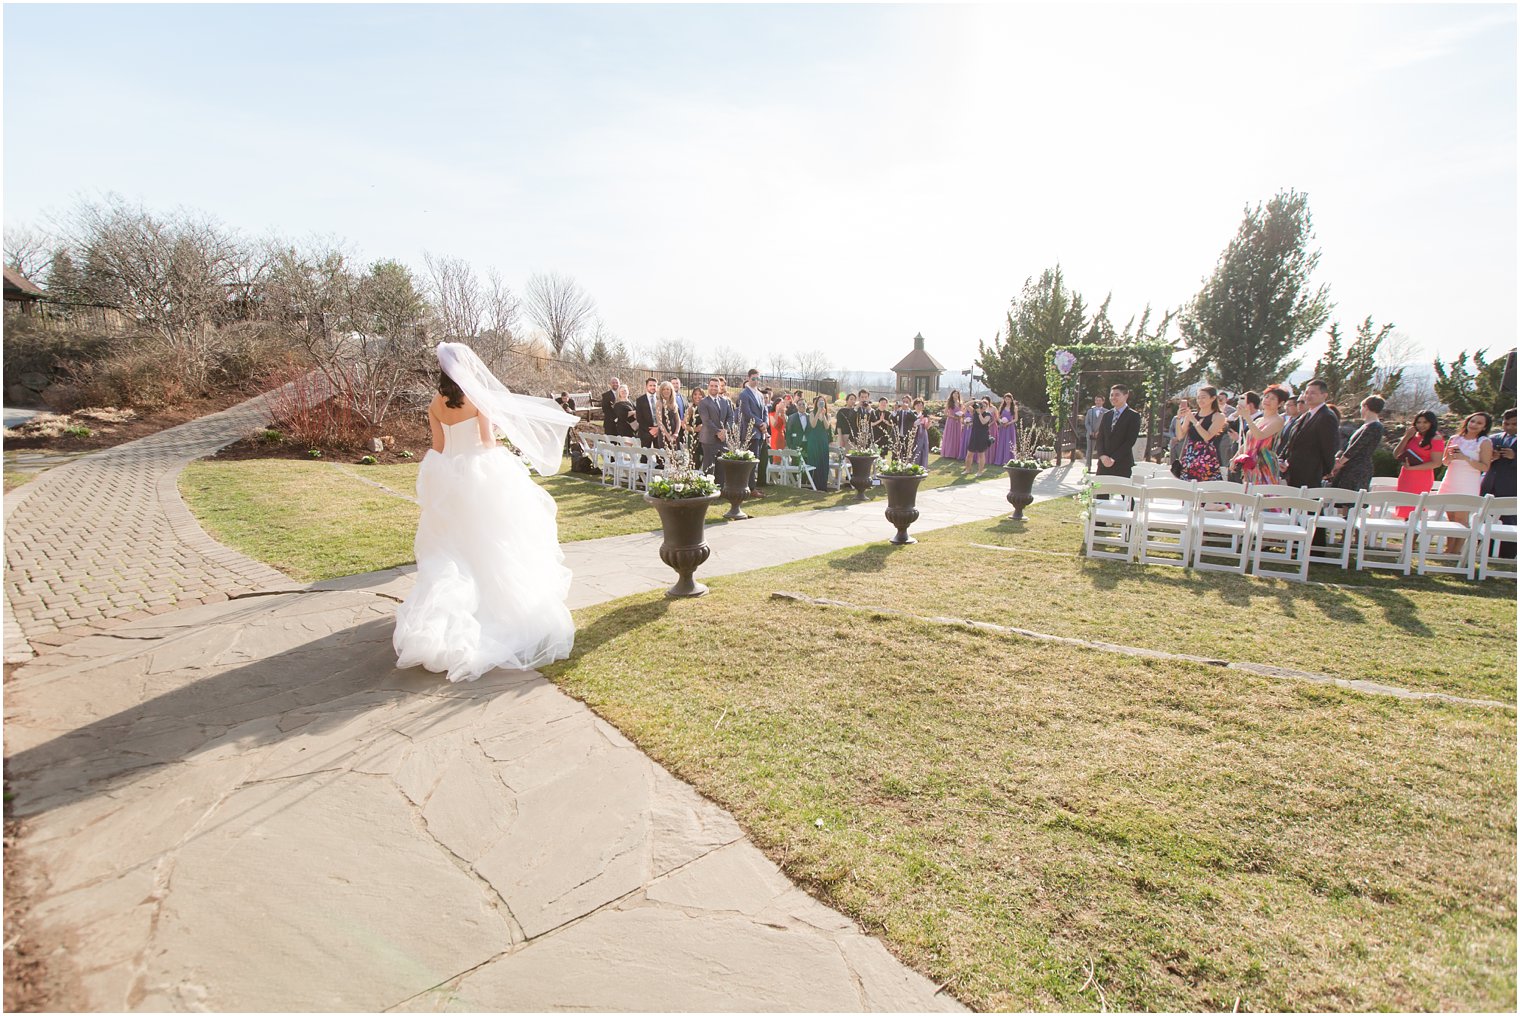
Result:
806,177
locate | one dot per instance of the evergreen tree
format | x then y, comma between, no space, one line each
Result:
1353,375
1046,315
1472,389
1258,307
65,283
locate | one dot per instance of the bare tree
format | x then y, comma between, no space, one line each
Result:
362,329
1399,355
674,355
454,295
728,362
174,274
29,251
813,365
559,306
780,364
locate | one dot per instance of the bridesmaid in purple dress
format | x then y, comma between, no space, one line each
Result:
952,443
1007,432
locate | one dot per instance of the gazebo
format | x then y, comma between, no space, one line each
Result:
918,372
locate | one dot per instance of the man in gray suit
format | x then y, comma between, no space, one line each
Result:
717,413
1091,423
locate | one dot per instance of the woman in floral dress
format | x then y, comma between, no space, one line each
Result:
1258,463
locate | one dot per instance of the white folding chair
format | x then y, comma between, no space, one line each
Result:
785,466
1337,527
1383,540
1493,531
1167,527
1145,470
1219,487
1109,531
1384,483
1431,524
1284,535
1222,529
1276,490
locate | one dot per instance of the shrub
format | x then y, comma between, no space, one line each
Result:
270,436
368,460
315,453
1383,463
301,406
407,455
77,430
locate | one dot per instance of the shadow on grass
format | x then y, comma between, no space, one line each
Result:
610,625
870,559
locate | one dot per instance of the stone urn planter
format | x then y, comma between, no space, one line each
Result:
734,477
684,548
860,472
1020,489
902,504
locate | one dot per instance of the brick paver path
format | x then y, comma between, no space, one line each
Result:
106,539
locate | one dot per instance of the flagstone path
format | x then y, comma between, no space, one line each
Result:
243,805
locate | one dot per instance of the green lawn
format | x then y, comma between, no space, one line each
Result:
319,520
1050,827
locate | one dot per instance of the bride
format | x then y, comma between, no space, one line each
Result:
491,580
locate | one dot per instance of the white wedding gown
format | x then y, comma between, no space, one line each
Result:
491,579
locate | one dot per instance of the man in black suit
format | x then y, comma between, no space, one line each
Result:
644,409
608,398
1315,439
845,422
1117,435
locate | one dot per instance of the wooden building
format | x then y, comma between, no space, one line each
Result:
21,293
918,373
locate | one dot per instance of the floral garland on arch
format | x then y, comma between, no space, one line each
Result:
1061,373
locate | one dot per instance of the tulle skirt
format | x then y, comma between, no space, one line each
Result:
491,579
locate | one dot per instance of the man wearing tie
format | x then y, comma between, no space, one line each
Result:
1315,441
717,415
1117,435
754,428
906,420
645,410
675,383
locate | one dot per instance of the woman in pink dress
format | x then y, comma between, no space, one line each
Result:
952,443
1467,456
1257,461
1005,440
1419,454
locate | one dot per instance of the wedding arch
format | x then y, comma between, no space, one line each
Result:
1153,360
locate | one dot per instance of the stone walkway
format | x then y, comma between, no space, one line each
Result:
242,805
106,539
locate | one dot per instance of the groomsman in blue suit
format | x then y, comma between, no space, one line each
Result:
754,428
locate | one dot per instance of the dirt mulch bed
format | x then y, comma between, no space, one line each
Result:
406,431
109,435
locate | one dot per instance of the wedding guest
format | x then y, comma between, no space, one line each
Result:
1290,411
797,425
754,429
1316,439
981,437
668,418
1353,466
1247,409
644,408
1499,481
1199,431
622,421
883,427
1091,423
1468,456
1173,437
715,423
777,419
820,434
1006,442
675,383
921,434
1419,454
846,421
951,442
609,397
1257,460
1117,435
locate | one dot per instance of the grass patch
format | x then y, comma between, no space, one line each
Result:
308,519
1011,815
280,512
1433,634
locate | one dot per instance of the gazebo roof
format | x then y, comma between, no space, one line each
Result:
918,360
15,282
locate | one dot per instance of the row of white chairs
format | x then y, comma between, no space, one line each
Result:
624,462
1223,526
